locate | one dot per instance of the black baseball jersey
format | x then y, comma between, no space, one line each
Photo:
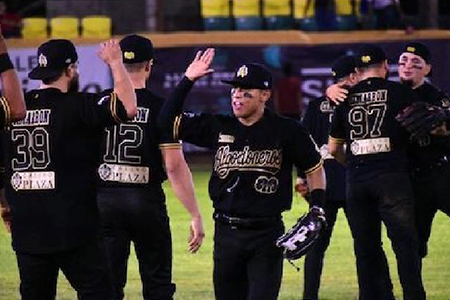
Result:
317,121
130,154
431,148
5,112
366,122
252,167
52,159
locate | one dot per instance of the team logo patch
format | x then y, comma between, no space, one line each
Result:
128,55
33,181
266,185
242,72
225,138
366,59
124,173
42,60
411,49
370,146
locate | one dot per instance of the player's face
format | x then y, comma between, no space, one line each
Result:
246,102
412,69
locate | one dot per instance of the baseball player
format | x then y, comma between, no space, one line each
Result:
131,198
376,167
12,108
52,157
251,182
429,157
317,121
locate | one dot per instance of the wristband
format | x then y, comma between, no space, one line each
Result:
317,198
5,63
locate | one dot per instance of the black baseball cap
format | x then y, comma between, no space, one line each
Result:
343,66
418,49
136,48
369,55
53,57
252,76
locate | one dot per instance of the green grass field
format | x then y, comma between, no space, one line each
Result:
193,273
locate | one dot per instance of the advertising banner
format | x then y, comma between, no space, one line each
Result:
310,63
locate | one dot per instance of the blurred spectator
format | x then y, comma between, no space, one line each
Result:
10,22
325,14
287,96
387,12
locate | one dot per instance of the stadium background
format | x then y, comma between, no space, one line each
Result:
311,54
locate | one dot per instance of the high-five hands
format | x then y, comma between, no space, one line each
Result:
200,66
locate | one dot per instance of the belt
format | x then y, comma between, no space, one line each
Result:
437,164
246,223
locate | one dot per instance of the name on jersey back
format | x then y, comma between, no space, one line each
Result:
368,97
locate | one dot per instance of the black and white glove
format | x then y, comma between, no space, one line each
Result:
297,241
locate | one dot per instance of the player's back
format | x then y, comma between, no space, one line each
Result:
51,164
375,140
130,154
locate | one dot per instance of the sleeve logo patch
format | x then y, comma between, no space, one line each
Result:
103,99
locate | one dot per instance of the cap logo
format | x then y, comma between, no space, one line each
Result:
128,55
242,72
266,83
42,60
411,49
366,59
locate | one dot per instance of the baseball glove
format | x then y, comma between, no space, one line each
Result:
300,238
420,118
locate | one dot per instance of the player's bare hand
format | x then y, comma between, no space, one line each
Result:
200,66
197,234
440,130
336,93
110,52
6,216
301,187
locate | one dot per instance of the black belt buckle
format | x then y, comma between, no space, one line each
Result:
245,223
234,222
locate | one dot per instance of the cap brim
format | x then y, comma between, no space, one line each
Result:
43,73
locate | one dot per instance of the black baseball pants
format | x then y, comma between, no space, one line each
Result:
247,264
85,268
432,193
138,216
386,197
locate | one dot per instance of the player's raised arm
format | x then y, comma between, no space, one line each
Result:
198,68
110,53
14,106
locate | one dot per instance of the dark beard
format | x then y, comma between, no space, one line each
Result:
74,85
408,83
